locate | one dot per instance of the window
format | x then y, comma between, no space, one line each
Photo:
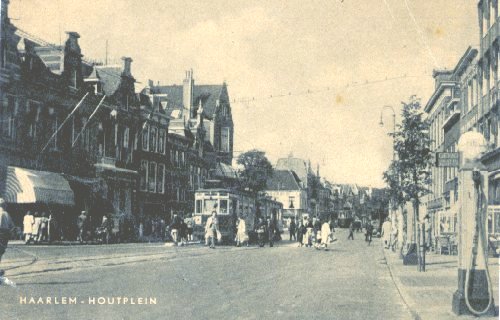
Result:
73,79
32,109
145,138
126,137
152,139
123,198
161,141
7,116
198,206
53,124
152,177
3,45
223,206
144,175
225,140
291,200
160,182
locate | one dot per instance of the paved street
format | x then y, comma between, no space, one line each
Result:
350,281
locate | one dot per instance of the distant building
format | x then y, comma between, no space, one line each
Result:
284,186
296,165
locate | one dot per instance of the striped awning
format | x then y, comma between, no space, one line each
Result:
30,186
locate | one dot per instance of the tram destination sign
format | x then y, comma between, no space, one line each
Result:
447,159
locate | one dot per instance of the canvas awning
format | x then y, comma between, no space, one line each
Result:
31,186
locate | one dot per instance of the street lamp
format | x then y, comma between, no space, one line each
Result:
381,123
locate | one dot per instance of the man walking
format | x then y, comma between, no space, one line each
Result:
351,231
369,232
291,229
6,226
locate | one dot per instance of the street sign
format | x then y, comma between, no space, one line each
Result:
447,159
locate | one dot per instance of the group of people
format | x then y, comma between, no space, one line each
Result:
311,232
368,231
37,227
181,230
265,228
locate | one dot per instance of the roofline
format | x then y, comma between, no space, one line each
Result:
465,60
437,93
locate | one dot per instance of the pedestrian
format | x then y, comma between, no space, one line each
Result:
300,233
271,229
174,229
241,233
28,221
212,229
190,226
37,226
6,228
260,229
394,237
309,233
369,233
386,233
325,234
82,226
183,232
291,230
351,231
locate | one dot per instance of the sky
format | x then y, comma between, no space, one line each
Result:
310,78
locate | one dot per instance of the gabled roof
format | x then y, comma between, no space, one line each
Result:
296,165
110,77
283,180
208,94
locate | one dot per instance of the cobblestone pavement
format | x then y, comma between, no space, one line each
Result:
349,281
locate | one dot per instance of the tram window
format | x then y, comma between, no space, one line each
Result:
198,206
209,205
223,206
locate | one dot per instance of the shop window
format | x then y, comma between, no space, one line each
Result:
144,175
152,177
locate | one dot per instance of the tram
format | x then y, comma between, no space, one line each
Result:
229,205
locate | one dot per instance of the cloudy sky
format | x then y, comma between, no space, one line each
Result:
329,58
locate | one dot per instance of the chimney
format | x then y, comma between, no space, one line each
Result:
127,62
72,42
187,93
4,13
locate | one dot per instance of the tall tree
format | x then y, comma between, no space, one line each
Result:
408,177
256,170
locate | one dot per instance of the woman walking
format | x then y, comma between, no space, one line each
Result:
28,222
241,233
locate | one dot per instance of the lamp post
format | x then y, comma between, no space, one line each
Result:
381,123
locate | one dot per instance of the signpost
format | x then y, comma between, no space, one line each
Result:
447,159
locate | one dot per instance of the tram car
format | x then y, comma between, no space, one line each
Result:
229,205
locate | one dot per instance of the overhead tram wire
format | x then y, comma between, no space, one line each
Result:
327,89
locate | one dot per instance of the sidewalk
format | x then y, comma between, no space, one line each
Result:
429,294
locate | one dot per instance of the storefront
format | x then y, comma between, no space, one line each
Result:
43,193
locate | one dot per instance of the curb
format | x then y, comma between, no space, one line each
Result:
409,304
